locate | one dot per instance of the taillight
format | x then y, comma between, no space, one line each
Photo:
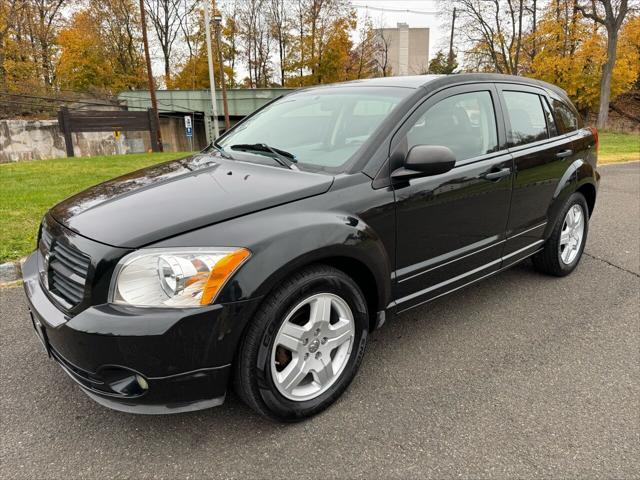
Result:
594,131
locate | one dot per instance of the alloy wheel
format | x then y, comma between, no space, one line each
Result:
312,347
572,234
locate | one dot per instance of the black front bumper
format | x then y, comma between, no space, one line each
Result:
141,360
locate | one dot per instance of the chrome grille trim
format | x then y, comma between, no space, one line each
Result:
65,269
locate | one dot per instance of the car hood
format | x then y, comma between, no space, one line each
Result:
159,202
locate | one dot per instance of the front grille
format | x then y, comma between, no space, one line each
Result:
66,269
45,237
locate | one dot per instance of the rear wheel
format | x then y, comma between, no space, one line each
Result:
304,345
563,249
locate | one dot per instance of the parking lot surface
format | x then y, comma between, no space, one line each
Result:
519,376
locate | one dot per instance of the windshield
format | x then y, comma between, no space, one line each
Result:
321,128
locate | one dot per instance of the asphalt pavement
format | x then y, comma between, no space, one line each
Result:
519,376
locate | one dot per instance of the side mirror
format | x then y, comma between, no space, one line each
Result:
424,161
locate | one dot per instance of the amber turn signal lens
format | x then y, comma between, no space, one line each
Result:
222,270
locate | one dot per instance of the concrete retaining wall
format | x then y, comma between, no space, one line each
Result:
42,139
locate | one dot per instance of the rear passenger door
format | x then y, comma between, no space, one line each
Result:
540,158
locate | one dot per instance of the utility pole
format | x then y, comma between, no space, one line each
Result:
152,88
218,21
212,81
453,26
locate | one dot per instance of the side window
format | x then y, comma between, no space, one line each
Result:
526,116
566,117
466,123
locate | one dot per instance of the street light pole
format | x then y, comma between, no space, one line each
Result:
152,88
212,82
450,58
218,20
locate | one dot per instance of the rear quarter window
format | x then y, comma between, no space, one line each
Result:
567,118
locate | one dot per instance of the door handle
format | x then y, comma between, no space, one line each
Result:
564,153
498,174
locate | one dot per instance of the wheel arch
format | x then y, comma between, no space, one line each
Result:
579,177
366,280
375,291
588,190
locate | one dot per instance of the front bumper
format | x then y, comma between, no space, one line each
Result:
141,360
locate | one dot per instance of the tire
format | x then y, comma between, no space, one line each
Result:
264,368
554,259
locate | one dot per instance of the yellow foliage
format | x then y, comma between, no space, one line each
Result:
332,59
93,55
83,62
571,50
193,73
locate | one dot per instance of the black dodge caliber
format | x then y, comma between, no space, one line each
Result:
263,263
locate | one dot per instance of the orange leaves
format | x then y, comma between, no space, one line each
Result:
100,49
571,50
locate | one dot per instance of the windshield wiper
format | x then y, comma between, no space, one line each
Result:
284,158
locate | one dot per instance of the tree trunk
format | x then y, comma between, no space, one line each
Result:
534,26
607,73
167,70
282,55
3,71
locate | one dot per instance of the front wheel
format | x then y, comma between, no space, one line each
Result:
564,248
304,345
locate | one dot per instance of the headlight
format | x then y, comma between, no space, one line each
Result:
174,277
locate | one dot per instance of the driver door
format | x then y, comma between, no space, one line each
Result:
451,227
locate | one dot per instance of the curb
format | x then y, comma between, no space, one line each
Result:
623,162
11,272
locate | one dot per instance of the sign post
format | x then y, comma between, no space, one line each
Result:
117,135
188,128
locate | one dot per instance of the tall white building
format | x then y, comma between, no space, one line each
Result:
403,50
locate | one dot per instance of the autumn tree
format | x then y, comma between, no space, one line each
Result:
44,21
321,47
610,14
330,22
571,52
230,48
120,31
280,25
28,50
8,11
193,73
84,62
441,64
100,49
20,66
333,56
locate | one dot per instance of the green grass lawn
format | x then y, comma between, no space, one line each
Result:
618,147
29,189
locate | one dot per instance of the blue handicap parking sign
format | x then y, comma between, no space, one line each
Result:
189,131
